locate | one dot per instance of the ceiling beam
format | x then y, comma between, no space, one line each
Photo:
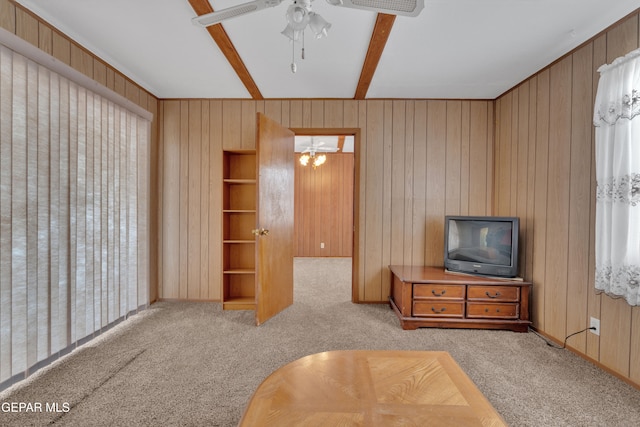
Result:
381,31
221,38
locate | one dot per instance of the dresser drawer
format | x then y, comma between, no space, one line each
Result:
477,310
430,290
493,293
437,308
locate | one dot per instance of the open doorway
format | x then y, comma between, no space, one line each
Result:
324,211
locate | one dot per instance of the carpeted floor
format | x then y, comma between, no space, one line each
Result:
191,364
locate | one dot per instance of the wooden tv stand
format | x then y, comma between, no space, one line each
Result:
431,297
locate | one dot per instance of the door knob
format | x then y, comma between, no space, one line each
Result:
260,232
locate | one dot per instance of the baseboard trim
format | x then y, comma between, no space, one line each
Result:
589,359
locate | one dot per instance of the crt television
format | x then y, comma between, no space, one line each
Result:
484,245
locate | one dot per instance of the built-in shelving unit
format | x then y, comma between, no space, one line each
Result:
239,219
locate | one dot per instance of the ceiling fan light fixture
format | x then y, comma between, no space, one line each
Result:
297,16
304,159
319,160
292,34
318,25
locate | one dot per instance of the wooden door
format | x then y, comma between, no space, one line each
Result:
274,241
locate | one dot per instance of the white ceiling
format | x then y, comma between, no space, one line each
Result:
454,49
303,142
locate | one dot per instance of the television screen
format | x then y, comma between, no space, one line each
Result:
483,245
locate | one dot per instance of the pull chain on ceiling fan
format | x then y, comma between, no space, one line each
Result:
299,15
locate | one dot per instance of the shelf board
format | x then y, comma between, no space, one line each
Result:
241,151
239,181
239,211
240,271
241,241
239,303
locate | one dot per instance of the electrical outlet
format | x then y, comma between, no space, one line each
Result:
322,245
595,323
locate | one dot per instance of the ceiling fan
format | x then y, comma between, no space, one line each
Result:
314,146
310,152
300,15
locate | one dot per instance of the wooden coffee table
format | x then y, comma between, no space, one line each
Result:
370,388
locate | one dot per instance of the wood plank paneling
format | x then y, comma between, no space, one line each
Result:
558,196
634,358
26,26
401,207
436,181
594,299
215,201
171,199
503,174
479,149
579,193
521,169
324,207
373,220
408,182
465,134
387,176
8,15
183,201
397,182
194,220
418,223
560,200
205,170
453,157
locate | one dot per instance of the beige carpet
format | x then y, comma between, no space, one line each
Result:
191,364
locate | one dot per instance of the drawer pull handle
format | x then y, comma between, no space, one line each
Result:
497,294
433,291
438,311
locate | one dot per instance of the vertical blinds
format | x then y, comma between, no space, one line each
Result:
74,169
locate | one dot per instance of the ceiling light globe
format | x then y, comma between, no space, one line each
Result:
319,160
298,17
290,33
318,25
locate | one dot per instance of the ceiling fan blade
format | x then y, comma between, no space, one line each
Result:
392,7
316,149
218,16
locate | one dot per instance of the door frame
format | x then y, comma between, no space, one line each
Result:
355,257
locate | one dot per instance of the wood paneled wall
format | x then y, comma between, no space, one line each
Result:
415,161
39,33
545,174
324,207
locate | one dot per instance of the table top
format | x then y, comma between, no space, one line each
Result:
426,274
370,388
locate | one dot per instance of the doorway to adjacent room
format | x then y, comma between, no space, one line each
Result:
324,210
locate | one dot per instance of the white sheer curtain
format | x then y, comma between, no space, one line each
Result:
617,121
